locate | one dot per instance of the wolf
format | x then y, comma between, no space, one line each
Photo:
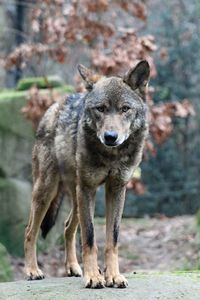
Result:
89,139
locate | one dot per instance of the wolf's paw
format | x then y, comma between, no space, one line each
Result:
118,281
95,281
34,274
73,269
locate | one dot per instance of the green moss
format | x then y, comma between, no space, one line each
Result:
14,95
5,266
198,219
143,274
7,95
40,82
66,88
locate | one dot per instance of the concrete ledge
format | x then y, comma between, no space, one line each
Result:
142,286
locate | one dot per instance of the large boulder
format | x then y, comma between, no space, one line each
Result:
16,141
14,209
16,137
153,286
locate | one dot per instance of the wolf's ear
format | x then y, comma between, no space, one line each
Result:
137,78
88,76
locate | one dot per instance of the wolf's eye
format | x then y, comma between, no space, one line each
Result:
100,108
125,108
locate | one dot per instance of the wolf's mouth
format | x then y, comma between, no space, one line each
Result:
111,144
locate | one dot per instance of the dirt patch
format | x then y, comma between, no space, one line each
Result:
163,244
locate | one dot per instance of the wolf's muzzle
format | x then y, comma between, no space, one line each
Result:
110,138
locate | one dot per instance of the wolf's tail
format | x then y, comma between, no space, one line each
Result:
52,213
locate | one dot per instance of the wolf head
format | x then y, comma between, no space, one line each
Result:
115,106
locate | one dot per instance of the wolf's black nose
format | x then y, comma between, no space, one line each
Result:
110,137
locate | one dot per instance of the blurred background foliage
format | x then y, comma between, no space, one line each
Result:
47,39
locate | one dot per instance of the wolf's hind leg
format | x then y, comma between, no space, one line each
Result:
44,191
71,262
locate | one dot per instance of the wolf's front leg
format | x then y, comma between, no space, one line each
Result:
115,195
44,192
92,275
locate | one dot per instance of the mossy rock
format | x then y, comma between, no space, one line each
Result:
11,118
15,198
16,133
11,103
15,201
5,266
40,82
198,218
16,141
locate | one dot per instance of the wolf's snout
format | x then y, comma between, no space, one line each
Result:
110,137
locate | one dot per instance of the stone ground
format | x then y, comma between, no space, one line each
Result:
184,286
161,244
